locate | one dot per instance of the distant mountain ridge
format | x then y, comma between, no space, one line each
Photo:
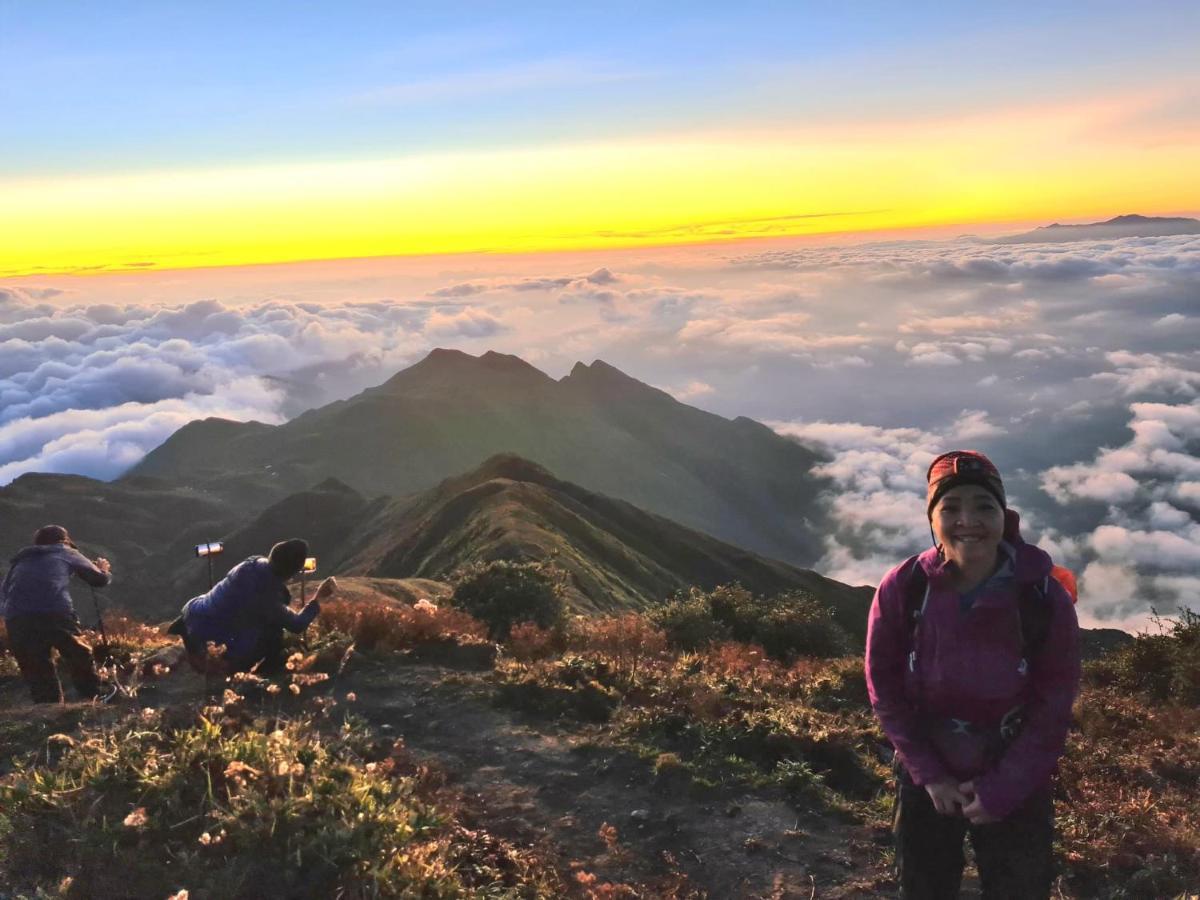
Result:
1114,228
596,427
618,557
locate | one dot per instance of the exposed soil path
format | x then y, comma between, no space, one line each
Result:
533,779
555,786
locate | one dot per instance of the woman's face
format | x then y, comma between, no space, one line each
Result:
968,522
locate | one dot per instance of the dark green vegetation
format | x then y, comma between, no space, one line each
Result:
786,626
502,594
1164,667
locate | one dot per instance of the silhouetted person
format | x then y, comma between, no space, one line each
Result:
40,616
246,612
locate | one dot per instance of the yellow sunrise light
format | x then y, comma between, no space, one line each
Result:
1003,166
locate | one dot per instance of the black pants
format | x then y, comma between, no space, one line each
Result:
1015,856
33,636
267,652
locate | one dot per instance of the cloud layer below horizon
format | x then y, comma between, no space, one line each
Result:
1075,366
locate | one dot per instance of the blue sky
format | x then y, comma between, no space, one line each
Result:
119,86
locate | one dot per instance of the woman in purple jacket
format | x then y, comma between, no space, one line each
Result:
972,668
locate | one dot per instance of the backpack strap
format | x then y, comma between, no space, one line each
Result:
1035,612
916,596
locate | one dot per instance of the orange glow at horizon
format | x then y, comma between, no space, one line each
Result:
1031,164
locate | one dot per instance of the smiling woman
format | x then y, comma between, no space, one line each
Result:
972,667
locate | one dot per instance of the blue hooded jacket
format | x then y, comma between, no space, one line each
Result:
238,609
37,583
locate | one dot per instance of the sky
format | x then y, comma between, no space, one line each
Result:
779,211
151,135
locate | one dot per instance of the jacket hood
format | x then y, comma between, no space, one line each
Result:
1031,563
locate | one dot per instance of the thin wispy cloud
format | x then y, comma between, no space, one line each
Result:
535,75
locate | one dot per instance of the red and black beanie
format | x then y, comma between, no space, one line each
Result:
958,467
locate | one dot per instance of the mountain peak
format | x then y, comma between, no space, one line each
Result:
512,467
609,380
509,466
443,365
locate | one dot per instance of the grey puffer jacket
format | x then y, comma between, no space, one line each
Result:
38,579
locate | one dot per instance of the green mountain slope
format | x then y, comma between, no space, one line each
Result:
596,427
618,556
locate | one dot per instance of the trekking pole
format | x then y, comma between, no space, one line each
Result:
310,565
99,617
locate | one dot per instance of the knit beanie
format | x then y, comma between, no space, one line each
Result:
51,534
287,557
959,467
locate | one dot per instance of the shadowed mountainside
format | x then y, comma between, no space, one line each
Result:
131,522
618,556
596,427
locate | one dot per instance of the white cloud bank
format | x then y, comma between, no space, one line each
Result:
1074,366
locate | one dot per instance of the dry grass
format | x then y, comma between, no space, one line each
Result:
383,624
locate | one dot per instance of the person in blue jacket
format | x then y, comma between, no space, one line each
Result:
246,611
40,616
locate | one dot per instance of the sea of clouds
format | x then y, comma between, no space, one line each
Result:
1075,366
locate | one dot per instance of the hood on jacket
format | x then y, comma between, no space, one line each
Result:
1031,563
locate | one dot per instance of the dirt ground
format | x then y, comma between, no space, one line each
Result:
556,786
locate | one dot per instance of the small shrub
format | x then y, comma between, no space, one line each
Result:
572,686
840,685
627,641
384,625
795,624
787,625
504,593
1164,667
528,642
688,622
729,659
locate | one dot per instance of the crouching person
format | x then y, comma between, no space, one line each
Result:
246,612
40,616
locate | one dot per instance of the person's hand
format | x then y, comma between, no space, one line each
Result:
974,810
328,586
103,565
946,796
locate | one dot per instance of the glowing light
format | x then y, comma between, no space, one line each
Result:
1001,166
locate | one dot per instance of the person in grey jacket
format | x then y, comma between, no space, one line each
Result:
40,617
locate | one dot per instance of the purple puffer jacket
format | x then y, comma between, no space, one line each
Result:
969,668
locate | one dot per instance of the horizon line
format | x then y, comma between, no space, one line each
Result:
624,243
